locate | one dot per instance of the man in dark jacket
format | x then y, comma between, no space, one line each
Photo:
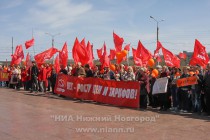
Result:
34,77
145,87
207,89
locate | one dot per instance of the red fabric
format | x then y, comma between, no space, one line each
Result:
40,75
112,54
29,43
74,53
200,56
118,41
143,53
57,64
83,43
63,55
48,71
127,47
158,58
24,75
105,61
28,61
79,53
137,61
159,46
89,50
44,74
99,52
171,60
18,55
182,55
118,93
41,57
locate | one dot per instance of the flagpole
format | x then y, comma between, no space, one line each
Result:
128,58
33,43
12,45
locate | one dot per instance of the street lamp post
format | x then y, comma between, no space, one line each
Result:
53,36
157,21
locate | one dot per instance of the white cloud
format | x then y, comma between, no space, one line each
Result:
56,13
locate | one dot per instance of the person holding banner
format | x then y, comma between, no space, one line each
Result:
196,90
207,89
173,87
164,97
184,93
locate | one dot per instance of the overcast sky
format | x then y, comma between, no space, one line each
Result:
184,21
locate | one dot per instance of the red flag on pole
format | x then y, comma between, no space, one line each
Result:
127,47
143,53
89,50
200,56
74,52
41,57
118,41
100,52
28,61
18,55
112,54
137,61
159,46
57,64
63,55
29,43
171,60
182,55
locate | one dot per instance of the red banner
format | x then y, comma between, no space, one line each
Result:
120,93
4,76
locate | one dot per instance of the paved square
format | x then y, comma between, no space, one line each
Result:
24,116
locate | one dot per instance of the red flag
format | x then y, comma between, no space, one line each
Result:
143,53
112,54
63,55
28,61
41,57
171,60
99,52
158,58
118,41
83,43
127,47
89,50
182,55
18,55
29,43
137,61
105,61
159,46
74,52
200,55
57,64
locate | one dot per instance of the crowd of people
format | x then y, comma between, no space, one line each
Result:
193,98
